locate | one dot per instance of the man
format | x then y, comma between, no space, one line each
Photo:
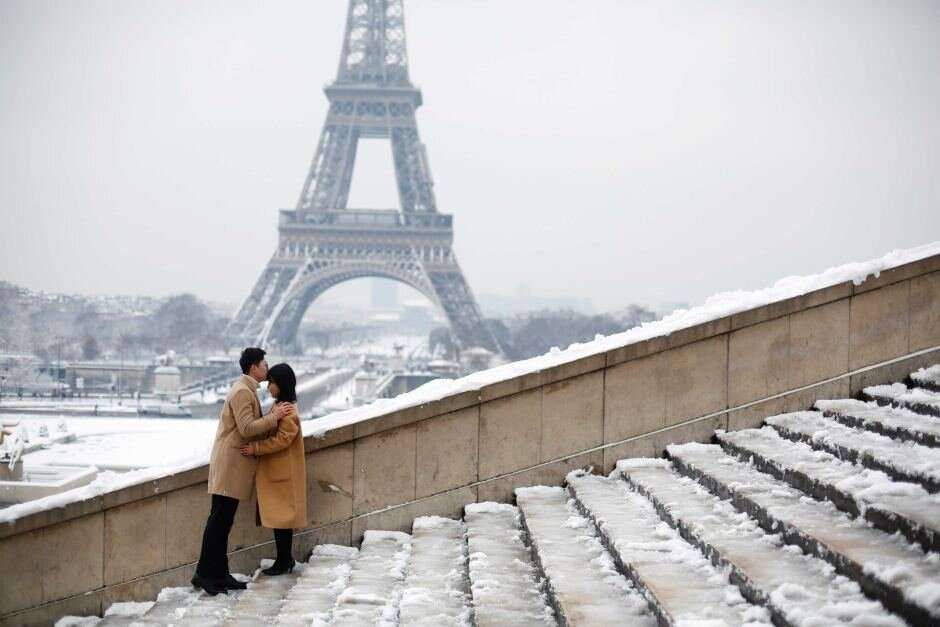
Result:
231,474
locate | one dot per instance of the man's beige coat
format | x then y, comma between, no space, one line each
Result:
231,473
282,477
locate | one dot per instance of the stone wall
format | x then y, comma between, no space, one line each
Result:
474,446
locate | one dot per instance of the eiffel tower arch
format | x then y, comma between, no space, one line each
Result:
322,242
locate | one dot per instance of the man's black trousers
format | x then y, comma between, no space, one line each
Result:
213,561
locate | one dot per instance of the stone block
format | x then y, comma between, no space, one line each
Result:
332,437
697,431
304,541
635,398
134,540
410,415
23,588
147,588
89,604
572,415
510,433
696,381
186,512
752,416
900,273
330,484
449,505
880,325
384,469
447,451
643,446
893,372
819,343
925,311
758,361
792,305
246,530
503,489
574,368
511,386
47,517
75,562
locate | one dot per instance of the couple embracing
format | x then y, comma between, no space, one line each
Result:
251,452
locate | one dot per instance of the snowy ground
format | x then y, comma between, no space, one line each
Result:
122,443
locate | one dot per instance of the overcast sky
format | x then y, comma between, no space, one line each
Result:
616,150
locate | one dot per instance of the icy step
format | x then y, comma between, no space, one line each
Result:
894,422
916,399
436,588
582,580
124,614
886,566
261,602
505,584
927,378
209,610
170,606
375,582
888,504
904,461
679,583
314,594
798,589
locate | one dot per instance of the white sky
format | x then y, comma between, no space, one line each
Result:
616,150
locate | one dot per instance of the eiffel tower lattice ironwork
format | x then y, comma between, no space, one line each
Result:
322,242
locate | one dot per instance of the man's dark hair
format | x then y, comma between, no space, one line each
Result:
283,376
250,357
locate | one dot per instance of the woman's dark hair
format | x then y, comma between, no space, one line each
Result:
250,357
283,377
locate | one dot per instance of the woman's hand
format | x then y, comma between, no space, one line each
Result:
247,450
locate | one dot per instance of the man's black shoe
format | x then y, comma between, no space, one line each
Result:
210,586
231,583
279,569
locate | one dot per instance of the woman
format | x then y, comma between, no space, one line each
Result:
281,480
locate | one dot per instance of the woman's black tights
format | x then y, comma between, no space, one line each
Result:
283,539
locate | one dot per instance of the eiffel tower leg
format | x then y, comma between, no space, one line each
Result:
453,293
415,188
327,185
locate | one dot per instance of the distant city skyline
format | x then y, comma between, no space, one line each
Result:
620,153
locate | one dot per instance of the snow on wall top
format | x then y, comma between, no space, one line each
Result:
715,307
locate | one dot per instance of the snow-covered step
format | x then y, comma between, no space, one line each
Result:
374,588
900,460
927,378
171,604
436,588
504,582
582,580
261,602
680,584
916,399
314,594
798,589
890,505
894,422
886,566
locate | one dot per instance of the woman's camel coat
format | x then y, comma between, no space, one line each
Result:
281,480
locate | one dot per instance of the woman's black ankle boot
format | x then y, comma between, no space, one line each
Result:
279,568
284,562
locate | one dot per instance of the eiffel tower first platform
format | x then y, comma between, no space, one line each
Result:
322,242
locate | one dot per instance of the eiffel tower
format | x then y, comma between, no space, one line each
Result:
322,242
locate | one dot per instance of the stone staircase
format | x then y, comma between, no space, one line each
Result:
825,517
